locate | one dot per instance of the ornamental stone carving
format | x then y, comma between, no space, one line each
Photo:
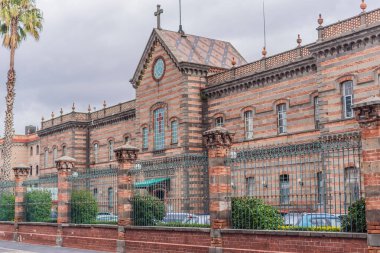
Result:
367,112
65,163
126,153
21,171
218,137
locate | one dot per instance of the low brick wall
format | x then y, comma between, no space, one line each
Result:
165,239
173,240
242,241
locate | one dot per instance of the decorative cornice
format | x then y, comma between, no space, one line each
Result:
367,112
65,164
126,153
345,43
270,76
21,171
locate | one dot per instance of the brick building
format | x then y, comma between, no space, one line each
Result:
186,84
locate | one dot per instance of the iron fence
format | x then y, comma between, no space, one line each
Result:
171,191
94,196
7,200
41,198
311,186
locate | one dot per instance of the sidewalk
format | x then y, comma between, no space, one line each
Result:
14,247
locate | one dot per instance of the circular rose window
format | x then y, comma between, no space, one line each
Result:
158,69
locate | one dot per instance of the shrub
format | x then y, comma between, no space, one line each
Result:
355,220
83,207
252,213
7,207
38,206
147,210
322,228
179,224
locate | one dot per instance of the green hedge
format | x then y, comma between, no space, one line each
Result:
179,224
355,220
7,207
38,206
252,213
147,210
84,207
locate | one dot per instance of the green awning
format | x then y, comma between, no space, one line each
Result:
150,182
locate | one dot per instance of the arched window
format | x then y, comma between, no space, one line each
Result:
96,193
248,124
159,129
145,138
347,98
96,152
46,158
110,197
37,149
281,118
31,170
37,170
110,150
31,151
316,112
55,154
126,139
219,121
64,150
174,128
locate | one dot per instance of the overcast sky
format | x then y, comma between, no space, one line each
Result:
89,49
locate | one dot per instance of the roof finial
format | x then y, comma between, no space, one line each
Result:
42,119
233,62
104,104
89,109
299,40
61,111
73,107
264,52
158,15
181,31
52,115
320,20
363,6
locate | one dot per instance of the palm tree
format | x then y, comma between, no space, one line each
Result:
19,19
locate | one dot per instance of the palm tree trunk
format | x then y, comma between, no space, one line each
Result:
10,98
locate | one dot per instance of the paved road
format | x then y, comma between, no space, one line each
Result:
13,247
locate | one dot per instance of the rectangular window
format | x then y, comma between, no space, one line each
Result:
110,150
219,122
159,129
281,114
145,138
248,122
347,99
316,112
351,185
320,188
96,152
174,127
284,190
250,184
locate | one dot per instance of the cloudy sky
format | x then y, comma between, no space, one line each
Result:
89,49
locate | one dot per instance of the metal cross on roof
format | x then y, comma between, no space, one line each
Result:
158,15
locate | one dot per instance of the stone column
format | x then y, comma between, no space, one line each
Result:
21,173
64,166
218,142
126,156
367,114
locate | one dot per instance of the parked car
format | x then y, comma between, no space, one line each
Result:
319,220
291,219
105,216
187,218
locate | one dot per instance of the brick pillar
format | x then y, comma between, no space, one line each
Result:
367,114
64,166
21,173
126,156
218,142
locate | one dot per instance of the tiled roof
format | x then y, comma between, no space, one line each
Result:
200,50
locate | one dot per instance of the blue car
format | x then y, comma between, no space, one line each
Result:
319,220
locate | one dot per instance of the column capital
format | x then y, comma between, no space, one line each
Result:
126,153
21,171
65,163
218,137
367,112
